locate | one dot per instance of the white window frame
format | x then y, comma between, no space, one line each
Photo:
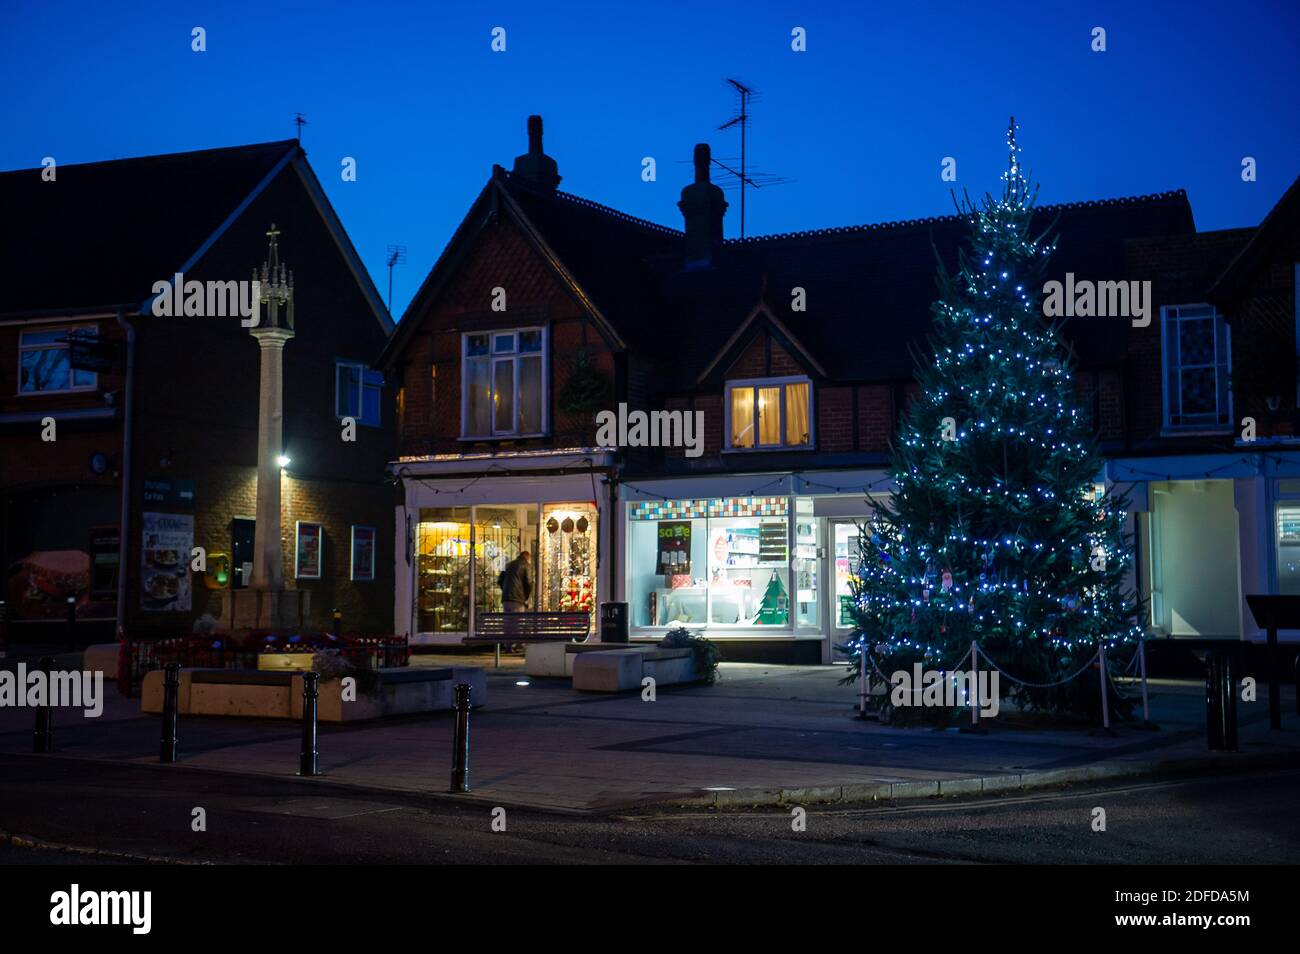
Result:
362,371
754,384
493,358
1168,316
88,330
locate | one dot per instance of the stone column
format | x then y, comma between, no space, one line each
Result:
268,566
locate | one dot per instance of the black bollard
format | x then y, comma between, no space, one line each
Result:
44,737
72,624
310,693
1220,701
460,750
338,622
171,699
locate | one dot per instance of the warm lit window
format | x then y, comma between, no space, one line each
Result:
504,383
44,361
357,393
776,412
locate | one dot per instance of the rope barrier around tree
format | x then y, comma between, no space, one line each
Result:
1106,677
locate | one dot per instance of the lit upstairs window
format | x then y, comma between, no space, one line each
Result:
769,413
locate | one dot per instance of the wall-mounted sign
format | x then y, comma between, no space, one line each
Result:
168,492
307,563
363,553
165,562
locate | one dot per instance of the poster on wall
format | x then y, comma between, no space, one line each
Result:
308,550
674,548
165,562
363,553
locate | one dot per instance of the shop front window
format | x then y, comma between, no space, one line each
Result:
567,552
722,562
500,535
442,570
1288,547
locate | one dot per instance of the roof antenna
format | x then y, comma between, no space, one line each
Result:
396,256
299,122
747,95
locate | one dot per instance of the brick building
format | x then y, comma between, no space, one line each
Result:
167,408
798,351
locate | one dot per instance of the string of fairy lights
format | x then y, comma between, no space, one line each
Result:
992,531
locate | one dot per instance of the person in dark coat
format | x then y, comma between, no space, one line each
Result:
517,583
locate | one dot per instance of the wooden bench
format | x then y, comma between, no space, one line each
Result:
508,628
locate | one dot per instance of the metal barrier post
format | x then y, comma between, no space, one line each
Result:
171,699
1105,700
307,759
460,741
862,681
338,622
44,735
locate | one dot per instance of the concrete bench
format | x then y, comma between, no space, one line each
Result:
278,695
621,671
556,659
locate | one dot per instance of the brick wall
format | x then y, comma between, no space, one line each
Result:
500,256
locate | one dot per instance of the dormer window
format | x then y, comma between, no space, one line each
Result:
769,413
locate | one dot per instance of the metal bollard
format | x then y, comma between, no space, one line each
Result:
310,693
460,742
44,736
1220,702
338,622
72,624
171,700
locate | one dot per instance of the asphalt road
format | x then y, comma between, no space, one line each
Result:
148,812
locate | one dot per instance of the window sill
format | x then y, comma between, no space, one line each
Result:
487,438
769,449
48,393
1194,431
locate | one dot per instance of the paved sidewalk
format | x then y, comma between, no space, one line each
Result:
763,734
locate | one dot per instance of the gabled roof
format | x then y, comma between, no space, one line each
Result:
101,233
1280,223
868,288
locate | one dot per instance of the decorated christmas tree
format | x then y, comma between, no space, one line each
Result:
996,530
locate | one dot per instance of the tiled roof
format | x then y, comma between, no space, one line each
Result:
869,288
102,233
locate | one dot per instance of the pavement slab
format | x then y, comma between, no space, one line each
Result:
764,734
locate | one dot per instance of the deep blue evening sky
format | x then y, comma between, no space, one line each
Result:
861,120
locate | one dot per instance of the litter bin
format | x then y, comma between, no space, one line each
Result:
1220,700
613,623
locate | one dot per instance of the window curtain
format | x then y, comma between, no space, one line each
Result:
742,417
769,415
797,431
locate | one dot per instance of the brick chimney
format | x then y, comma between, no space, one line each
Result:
534,165
702,207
